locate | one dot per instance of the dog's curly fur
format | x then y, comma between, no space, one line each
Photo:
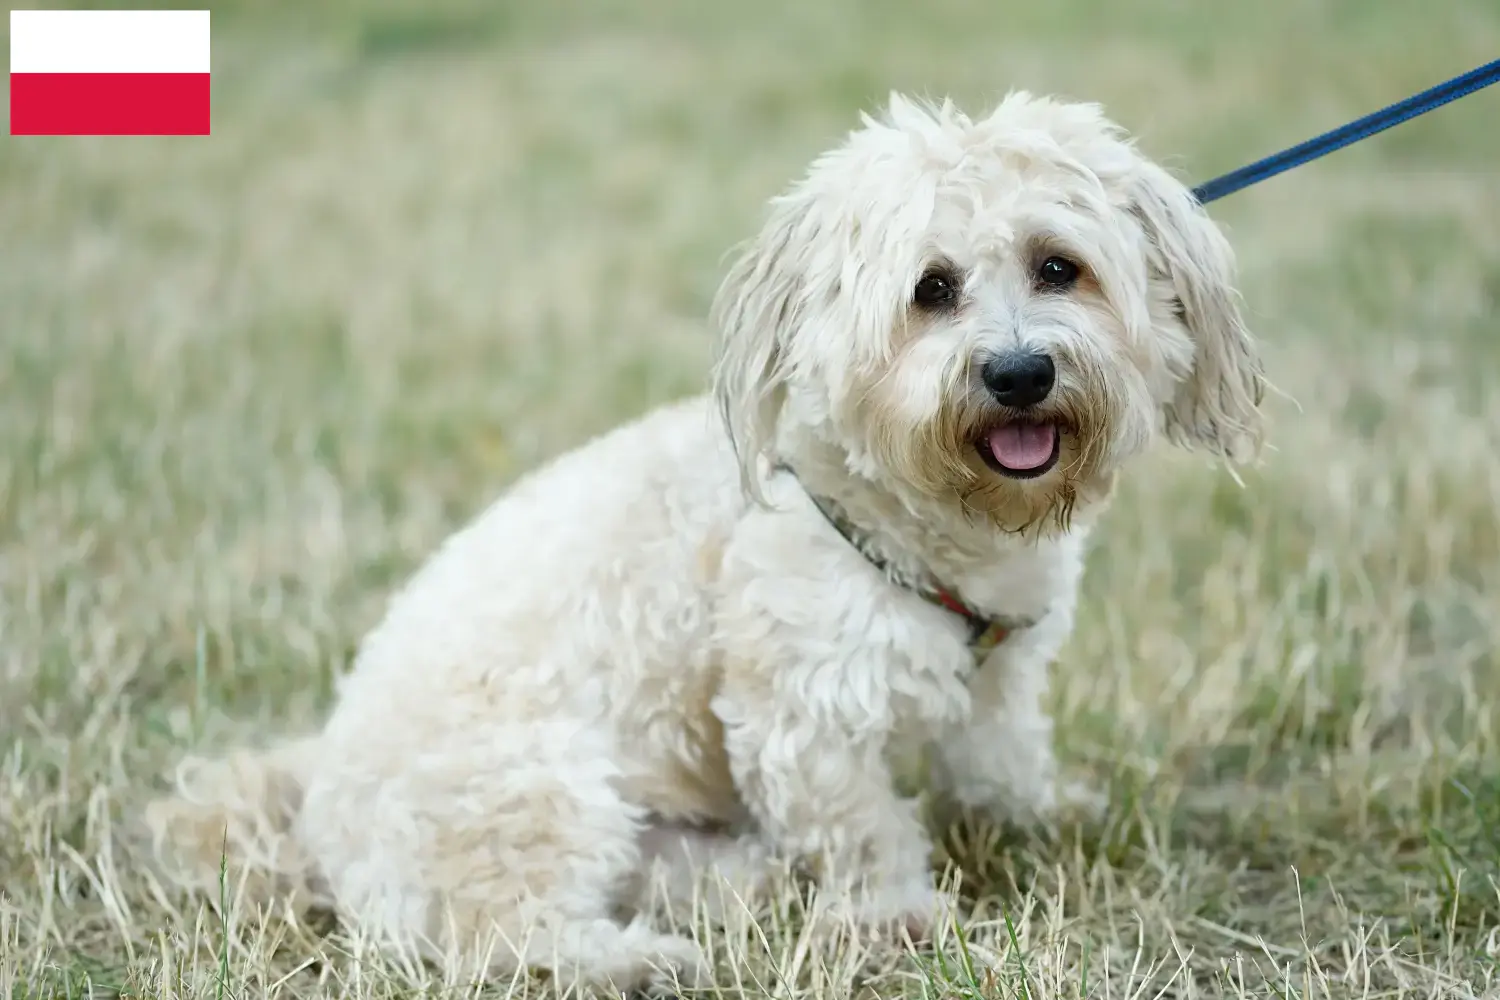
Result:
659,633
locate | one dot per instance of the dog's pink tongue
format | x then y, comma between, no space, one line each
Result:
1023,446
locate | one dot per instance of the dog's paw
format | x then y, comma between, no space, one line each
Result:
921,927
677,965
892,914
1046,805
1081,801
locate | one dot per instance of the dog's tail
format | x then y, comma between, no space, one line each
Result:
229,825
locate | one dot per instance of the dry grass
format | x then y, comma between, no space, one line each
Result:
246,382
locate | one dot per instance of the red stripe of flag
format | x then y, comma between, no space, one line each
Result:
109,103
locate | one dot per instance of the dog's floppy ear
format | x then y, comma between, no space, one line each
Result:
1217,406
755,311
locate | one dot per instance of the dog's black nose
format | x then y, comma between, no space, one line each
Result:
1019,378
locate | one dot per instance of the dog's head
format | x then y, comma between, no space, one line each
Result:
997,311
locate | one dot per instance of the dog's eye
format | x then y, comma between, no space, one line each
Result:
936,290
1057,272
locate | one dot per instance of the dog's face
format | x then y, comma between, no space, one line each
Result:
999,312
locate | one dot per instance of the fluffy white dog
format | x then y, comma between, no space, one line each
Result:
729,616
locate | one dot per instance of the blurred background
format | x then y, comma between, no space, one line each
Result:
248,381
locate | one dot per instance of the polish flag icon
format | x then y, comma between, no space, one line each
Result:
109,72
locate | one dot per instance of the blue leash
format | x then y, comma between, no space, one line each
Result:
1363,128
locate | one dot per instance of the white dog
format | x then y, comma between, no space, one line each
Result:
935,357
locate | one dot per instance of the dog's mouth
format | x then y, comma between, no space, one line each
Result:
1021,450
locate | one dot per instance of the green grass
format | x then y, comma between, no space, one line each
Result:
247,382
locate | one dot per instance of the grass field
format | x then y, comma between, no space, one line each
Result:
248,381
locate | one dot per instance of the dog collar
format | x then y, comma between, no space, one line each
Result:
985,632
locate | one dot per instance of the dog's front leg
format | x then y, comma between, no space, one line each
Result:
821,792
1001,762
